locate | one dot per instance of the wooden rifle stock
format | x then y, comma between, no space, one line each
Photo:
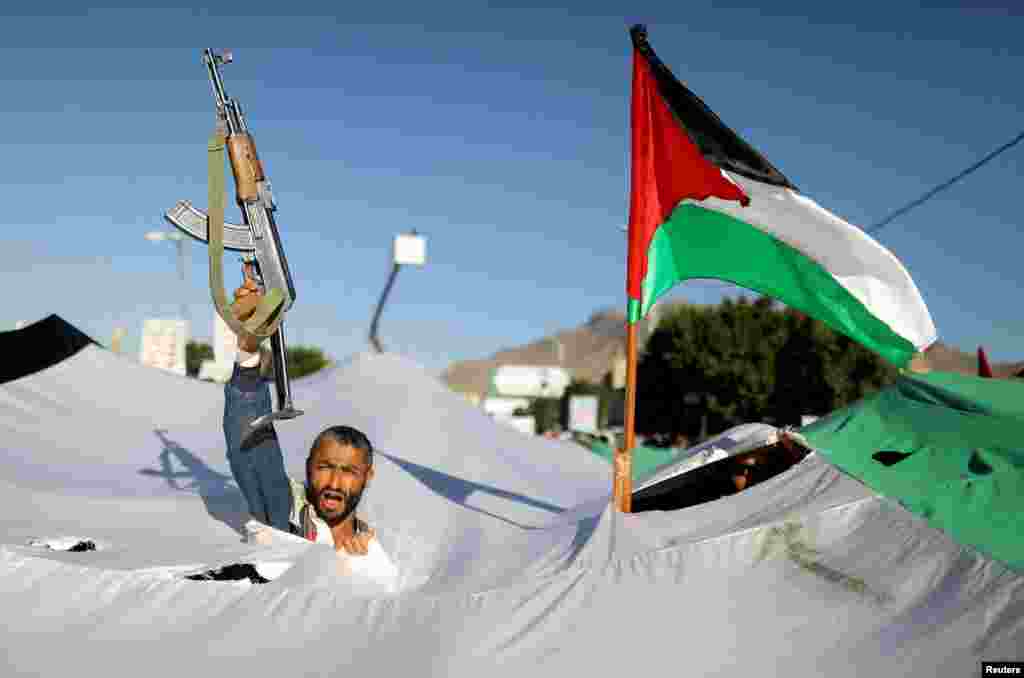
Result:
245,165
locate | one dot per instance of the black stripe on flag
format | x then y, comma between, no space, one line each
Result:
716,141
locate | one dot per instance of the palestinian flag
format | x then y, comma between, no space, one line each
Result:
705,204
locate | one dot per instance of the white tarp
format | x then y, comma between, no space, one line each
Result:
510,560
736,440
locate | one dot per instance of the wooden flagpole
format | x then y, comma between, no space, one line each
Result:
622,483
622,487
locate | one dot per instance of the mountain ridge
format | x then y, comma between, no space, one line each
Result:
590,349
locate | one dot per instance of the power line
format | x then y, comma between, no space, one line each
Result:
943,186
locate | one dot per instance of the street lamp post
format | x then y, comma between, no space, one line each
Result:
411,249
179,241
559,350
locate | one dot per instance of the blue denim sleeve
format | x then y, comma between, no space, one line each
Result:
256,460
246,397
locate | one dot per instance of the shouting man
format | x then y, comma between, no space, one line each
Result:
338,468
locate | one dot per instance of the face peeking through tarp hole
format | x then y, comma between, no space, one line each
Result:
339,466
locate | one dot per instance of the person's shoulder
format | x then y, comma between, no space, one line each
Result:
299,501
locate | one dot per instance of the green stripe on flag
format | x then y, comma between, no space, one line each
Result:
633,314
697,242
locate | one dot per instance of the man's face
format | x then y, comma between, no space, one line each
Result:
336,476
742,473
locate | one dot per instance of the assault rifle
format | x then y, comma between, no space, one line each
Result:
257,238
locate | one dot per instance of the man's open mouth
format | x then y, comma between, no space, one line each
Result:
332,501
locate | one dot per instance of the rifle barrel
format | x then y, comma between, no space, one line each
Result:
224,103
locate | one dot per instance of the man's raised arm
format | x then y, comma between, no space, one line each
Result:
254,455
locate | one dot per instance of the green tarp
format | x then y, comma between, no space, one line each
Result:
948,447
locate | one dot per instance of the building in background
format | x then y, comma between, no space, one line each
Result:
225,348
594,353
583,413
163,344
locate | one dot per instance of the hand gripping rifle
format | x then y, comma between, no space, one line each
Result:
257,238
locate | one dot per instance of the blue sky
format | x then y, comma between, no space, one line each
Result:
502,135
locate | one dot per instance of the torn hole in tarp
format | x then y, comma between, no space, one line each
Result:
73,544
235,572
889,457
977,466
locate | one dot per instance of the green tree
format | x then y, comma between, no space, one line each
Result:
305,360
546,413
748,361
820,370
724,356
302,360
195,353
